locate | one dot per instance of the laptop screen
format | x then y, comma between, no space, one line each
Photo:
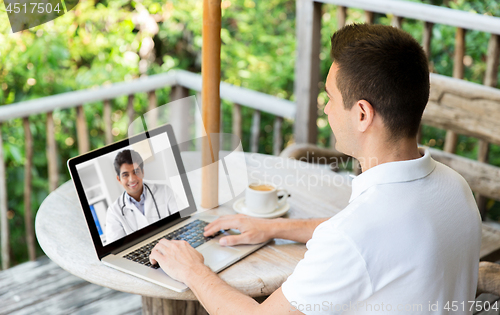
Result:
132,186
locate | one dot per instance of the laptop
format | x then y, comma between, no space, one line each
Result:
124,226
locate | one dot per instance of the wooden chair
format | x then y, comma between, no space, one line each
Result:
489,278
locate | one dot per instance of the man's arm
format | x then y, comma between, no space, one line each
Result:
185,264
254,230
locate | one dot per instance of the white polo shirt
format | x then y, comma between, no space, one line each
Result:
408,242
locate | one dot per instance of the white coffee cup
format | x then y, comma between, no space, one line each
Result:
263,198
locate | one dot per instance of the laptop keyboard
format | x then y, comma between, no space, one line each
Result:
191,233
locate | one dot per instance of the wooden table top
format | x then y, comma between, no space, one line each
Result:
316,192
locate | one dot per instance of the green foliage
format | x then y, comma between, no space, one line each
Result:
99,43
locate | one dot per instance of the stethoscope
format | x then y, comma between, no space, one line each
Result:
154,200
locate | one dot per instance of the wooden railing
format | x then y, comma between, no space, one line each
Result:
180,81
309,14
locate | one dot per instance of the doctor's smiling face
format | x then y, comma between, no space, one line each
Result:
131,176
129,169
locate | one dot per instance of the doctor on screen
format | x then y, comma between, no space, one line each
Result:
141,203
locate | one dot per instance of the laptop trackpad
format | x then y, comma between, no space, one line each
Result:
215,254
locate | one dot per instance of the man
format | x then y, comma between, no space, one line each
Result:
140,204
409,239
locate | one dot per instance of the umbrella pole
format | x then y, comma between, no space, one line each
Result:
210,95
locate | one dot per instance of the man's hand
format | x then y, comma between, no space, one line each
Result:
178,259
253,230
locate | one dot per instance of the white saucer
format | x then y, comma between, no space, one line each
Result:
239,207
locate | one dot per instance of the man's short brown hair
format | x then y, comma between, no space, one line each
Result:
386,67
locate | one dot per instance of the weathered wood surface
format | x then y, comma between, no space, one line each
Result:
396,21
42,287
492,61
3,209
53,168
482,299
28,217
152,114
237,122
255,132
154,306
451,141
425,12
369,17
490,241
277,136
464,107
130,108
307,73
246,97
82,130
108,123
427,39
259,274
181,117
341,16
490,79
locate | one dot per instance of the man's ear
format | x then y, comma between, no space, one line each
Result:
364,115
118,178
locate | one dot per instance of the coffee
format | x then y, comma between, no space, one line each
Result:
262,187
262,198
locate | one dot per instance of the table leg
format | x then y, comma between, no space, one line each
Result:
156,306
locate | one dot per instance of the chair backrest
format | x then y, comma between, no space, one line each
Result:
489,278
464,107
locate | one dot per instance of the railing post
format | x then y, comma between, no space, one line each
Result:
81,129
490,79
108,124
3,209
427,38
341,16
369,17
426,44
152,115
254,142
200,129
180,115
53,169
396,21
307,73
277,137
450,144
130,108
210,71
28,220
236,129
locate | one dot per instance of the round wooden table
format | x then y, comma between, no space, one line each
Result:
316,192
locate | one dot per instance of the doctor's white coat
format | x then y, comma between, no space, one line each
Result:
118,225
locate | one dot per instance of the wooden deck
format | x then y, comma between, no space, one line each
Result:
42,287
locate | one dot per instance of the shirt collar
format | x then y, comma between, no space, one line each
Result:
143,196
393,172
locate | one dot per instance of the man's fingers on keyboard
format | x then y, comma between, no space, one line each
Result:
217,226
233,240
151,257
224,218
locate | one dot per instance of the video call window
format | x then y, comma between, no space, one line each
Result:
132,187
